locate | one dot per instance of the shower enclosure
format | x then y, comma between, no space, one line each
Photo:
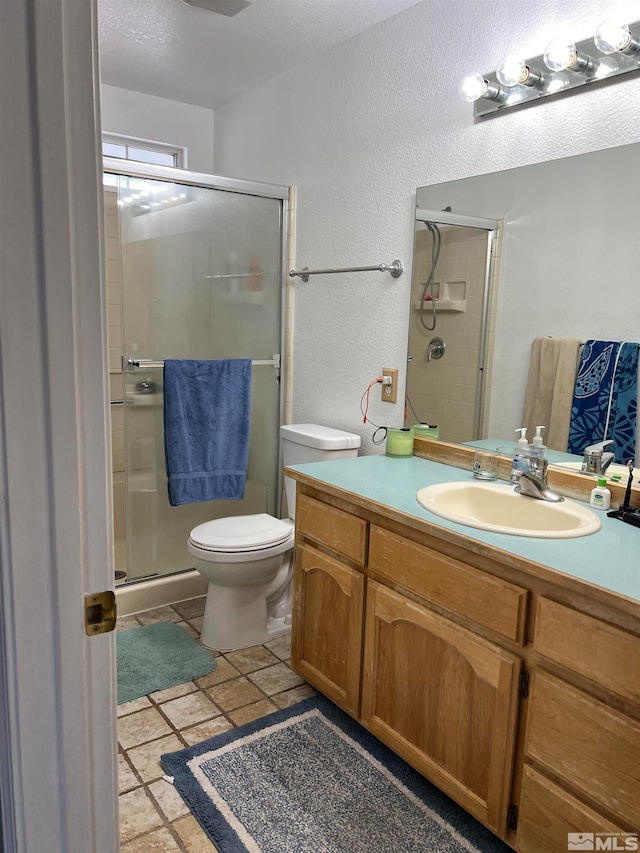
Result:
195,270
453,303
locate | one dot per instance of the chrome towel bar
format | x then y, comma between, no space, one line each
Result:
133,363
395,268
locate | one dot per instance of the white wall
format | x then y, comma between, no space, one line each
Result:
358,128
149,117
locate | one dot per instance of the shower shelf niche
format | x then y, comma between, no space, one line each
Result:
450,297
444,305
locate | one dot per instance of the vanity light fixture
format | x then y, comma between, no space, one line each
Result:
564,67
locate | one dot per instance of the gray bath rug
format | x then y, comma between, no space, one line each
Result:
309,779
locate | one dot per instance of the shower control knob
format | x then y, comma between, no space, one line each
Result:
436,348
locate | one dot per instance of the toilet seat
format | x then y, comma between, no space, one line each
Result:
240,534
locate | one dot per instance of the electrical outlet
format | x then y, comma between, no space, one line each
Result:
390,392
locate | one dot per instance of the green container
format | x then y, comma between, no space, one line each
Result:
426,431
399,443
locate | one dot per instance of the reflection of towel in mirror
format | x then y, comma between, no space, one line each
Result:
206,428
550,384
605,401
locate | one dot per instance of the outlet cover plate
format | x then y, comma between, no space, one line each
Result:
390,392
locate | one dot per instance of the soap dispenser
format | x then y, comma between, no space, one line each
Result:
521,450
537,447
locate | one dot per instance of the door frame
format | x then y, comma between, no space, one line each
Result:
58,769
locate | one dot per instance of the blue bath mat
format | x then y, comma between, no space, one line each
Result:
155,657
309,779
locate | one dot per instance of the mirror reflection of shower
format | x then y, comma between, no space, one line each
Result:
428,294
453,289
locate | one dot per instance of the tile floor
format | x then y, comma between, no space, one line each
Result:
245,685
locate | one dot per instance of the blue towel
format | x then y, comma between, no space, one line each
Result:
606,389
206,429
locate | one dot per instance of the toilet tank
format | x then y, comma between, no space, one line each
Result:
313,443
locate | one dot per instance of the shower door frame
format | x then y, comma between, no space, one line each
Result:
133,169
446,217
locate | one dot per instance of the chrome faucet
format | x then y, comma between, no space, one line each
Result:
595,460
533,482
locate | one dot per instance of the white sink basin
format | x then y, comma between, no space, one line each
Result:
498,508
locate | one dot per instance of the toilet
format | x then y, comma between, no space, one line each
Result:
247,559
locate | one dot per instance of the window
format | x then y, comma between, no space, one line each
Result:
143,150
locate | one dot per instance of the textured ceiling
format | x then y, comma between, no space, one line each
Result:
170,49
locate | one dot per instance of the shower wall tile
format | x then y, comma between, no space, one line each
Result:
116,386
119,520
115,337
115,360
114,293
111,226
117,441
117,417
112,248
110,200
113,315
113,269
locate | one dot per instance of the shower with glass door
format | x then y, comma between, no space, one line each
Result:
195,270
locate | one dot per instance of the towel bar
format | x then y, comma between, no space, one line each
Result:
395,268
133,363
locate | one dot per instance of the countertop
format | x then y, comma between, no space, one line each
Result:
609,559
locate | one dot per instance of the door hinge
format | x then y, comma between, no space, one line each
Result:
100,612
523,689
512,818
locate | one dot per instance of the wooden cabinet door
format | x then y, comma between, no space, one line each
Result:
594,748
328,600
442,698
547,814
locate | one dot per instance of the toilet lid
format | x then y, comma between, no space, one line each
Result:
241,533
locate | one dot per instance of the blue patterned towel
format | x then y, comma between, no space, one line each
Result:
206,429
605,401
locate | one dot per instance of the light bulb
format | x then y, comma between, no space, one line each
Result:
515,72
560,54
512,71
472,87
612,36
615,37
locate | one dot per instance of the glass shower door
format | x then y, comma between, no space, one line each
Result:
201,278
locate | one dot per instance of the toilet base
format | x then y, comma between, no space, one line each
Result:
237,617
223,634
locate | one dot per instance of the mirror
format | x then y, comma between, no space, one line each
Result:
569,254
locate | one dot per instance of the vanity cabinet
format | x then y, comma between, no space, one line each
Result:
584,741
513,689
442,698
328,601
